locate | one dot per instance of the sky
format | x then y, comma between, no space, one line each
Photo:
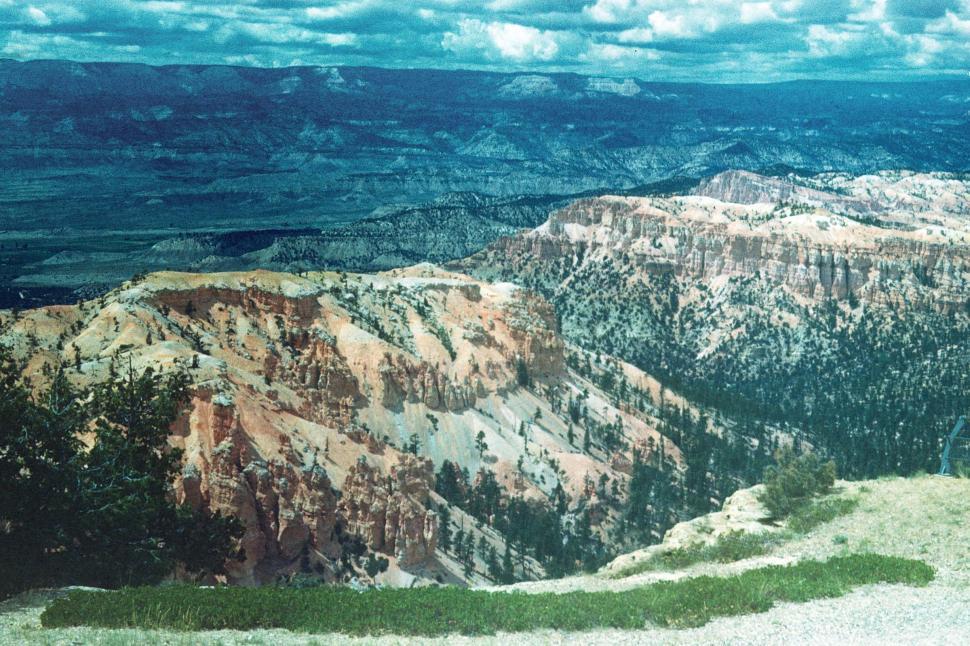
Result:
676,40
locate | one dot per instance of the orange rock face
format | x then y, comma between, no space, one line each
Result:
288,506
302,389
390,513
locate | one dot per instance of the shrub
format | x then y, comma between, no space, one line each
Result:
375,565
794,481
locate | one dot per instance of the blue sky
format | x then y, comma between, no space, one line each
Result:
706,40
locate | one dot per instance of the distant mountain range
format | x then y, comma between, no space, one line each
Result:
101,159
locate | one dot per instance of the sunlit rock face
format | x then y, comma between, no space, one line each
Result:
309,394
897,239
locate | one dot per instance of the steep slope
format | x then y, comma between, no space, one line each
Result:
914,517
343,414
848,330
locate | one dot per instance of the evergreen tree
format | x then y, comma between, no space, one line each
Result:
508,567
102,515
39,466
492,563
444,527
522,373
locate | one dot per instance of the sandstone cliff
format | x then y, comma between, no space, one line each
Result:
865,242
306,390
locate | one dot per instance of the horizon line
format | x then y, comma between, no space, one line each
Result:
941,78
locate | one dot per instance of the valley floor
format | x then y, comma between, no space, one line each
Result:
926,518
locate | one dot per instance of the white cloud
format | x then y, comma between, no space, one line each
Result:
754,12
925,50
951,23
637,35
163,6
609,53
666,25
608,11
505,40
868,11
522,43
339,10
824,41
283,34
38,16
196,25
339,40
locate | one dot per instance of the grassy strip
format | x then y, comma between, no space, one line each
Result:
730,547
809,517
735,546
445,610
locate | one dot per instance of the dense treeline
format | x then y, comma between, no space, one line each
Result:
565,535
560,540
876,388
87,483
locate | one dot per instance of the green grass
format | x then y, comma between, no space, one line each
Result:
818,512
446,610
735,546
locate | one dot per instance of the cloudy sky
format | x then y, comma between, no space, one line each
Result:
708,40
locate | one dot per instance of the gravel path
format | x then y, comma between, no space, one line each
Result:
926,518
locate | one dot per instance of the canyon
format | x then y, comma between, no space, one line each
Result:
322,405
624,366
756,295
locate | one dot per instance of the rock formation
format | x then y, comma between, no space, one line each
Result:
307,389
390,512
864,242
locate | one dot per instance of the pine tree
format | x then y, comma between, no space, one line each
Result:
481,444
459,542
102,515
494,567
508,567
444,527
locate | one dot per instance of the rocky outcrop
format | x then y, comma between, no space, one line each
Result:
390,513
288,508
404,381
321,373
815,253
741,512
532,324
251,298
306,389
